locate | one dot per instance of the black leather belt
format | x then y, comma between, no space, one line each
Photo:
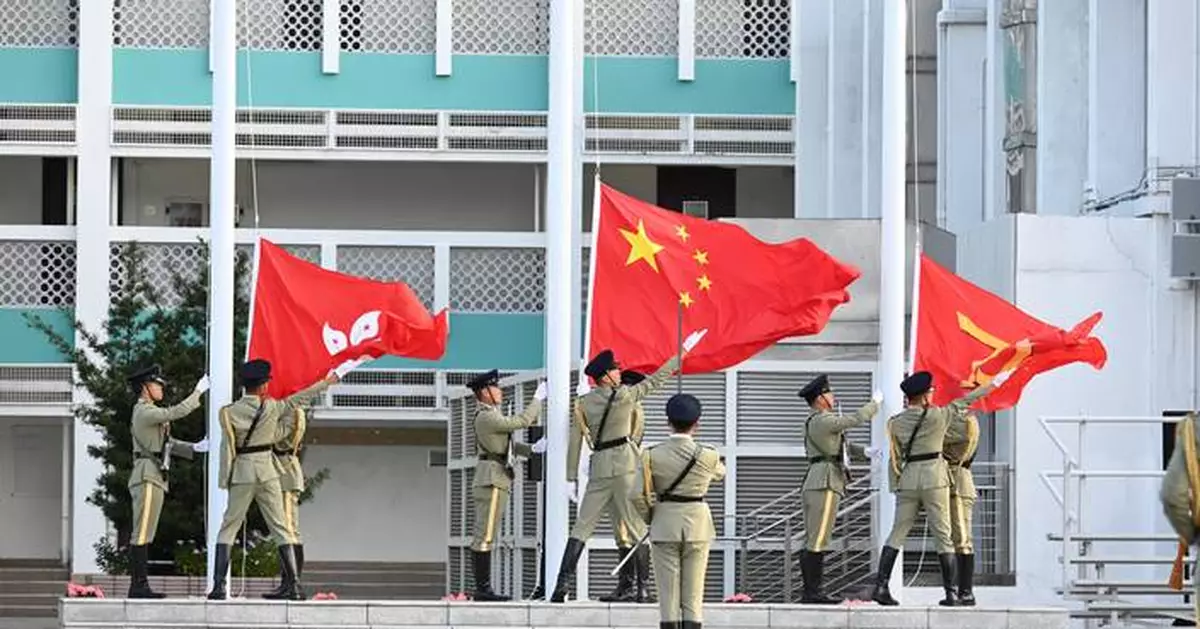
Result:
674,498
608,445
253,449
494,458
283,453
928,456
812,460
966,465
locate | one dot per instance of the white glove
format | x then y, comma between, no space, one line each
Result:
873,453
583,388
539,446
1000,378
202,384
692,339
350,365
200,446
540,393
877,397
571,491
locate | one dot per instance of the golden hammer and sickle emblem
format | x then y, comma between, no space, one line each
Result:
978,378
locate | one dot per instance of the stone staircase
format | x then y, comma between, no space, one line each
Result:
360,580
30,588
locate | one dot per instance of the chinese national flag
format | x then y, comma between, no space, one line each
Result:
966,335
748,294
308,320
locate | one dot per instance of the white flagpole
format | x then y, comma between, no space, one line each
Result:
221,253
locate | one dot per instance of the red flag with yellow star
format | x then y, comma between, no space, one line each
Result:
748,294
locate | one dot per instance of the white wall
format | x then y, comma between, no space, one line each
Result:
31,483
20,190
380,503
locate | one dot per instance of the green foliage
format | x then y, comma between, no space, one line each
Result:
140,330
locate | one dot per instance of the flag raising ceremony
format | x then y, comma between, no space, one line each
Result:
649,263
307,320
966,335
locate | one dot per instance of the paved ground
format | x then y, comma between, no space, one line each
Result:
28,623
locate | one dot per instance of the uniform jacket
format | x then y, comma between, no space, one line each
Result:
661,465
291,473
622,422
933,473
150,429
823,434
1177,490
962,440
276,424
492,433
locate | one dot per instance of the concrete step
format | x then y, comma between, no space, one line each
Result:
397,578
31,563
33,574
17,611
373,566
11,599
58,588
378,591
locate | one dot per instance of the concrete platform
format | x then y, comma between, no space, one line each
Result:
76,613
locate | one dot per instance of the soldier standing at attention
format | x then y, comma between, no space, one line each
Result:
1180,496
828,473
631,586
150,430
962,440
608,416
919,476
675,478
494,471
251,427
291,483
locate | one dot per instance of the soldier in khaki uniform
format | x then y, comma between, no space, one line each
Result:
919,476
631,584
962,440
607,413
150,429
675,477
828,473
494,471
251,426
1180,497
291,483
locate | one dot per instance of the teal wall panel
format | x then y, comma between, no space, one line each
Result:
722,86
23,344
39,75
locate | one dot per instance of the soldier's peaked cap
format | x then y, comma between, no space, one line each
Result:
815,388
916,384
630,377
683,408
153,373
484,380
601,364
255,372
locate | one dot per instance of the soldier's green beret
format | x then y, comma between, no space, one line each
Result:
600,365
683,408
630,377
814,389
153,373
255,372
916,384
484,380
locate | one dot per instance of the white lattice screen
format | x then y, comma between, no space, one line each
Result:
502,27
756,29
39,23
497,280
631,28
161,24
389,26
37,274
411,265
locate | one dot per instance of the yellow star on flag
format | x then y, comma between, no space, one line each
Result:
704,282
686,299
682,232
701,257
641,247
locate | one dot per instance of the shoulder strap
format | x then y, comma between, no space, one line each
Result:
682,475
913,437
604,418
262,406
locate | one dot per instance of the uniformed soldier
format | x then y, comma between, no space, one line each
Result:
607,413
1180,497
251,426
150,429
494,470
825,482
291,483
919,476
631,584
962,440
675,477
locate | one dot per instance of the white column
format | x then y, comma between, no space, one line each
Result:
1172,81
962,47
91,254
1062,105
563,168
844,80
1116,95
221,248
994,194
811,122
872,106
892,250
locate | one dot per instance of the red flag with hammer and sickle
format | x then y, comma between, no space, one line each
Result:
966,335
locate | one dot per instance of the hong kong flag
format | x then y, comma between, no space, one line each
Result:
307,320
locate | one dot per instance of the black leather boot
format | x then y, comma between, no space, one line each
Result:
539,592
299,560
690,624
483,579
671,624
289,589
139,574
220,569
966,580
567,569
946,561
813,566
623,593
882,593
642,557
